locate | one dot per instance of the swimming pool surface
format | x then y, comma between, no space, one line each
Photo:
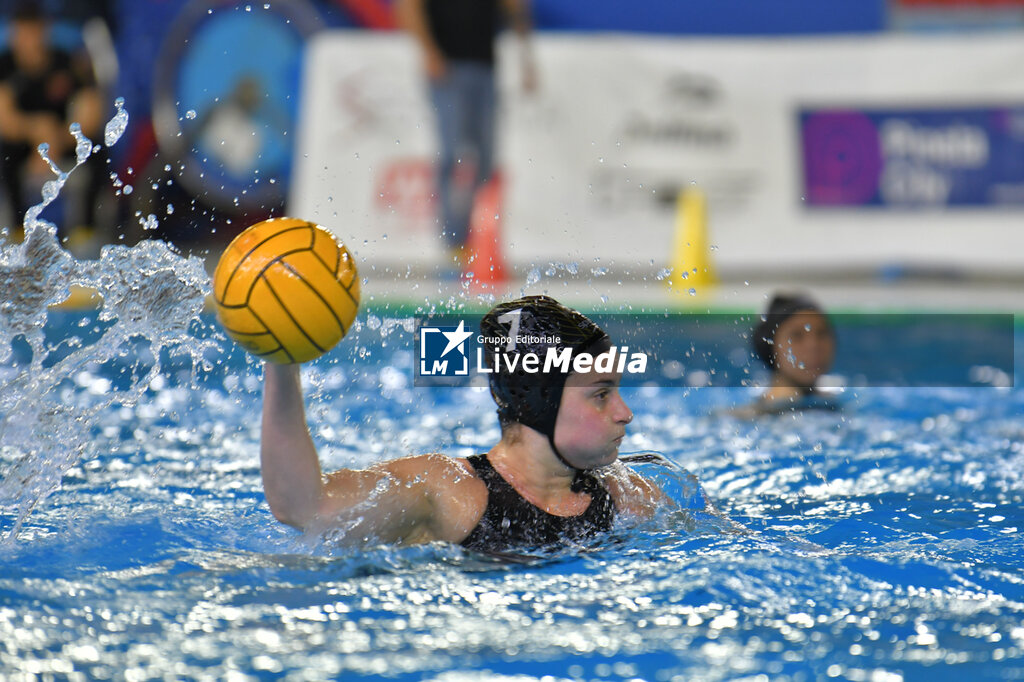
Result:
881,542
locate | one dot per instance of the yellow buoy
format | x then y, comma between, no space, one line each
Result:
691,254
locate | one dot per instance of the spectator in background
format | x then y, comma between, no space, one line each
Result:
795,339
456,38
42,91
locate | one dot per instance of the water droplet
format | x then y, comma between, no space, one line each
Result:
83,145
116,126
190,114
693,292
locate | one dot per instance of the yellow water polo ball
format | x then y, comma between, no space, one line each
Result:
286,290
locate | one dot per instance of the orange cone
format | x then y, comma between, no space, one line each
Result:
484,266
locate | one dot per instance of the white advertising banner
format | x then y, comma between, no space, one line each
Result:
812,153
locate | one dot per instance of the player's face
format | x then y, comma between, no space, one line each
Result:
592,420
804,348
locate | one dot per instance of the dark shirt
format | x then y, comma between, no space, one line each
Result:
509,521
464,29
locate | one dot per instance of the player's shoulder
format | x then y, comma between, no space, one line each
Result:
434,468
457,495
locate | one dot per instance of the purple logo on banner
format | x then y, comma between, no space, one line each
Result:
842,158
912,158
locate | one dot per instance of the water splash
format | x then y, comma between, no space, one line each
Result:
116,126
150,298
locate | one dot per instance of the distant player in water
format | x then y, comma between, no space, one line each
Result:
552,479
797,342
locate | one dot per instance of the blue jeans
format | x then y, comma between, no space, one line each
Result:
464,104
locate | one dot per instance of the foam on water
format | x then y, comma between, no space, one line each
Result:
151,295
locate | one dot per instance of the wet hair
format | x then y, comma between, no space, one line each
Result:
532,399
781,308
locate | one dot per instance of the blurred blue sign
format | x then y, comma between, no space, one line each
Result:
969,157
720,17
226,95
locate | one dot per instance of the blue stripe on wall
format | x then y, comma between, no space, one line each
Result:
712,17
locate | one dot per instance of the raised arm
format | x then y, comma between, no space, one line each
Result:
415,499
292,480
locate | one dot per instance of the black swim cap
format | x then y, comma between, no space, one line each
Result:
780,309
532,399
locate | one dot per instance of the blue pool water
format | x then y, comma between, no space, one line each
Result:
878,543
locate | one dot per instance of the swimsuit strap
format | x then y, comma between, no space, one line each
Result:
512,521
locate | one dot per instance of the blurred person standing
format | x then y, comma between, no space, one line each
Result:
43,89
457,41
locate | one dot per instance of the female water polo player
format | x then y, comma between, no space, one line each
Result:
552,478
795,339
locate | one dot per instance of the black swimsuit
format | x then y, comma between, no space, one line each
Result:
509,521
